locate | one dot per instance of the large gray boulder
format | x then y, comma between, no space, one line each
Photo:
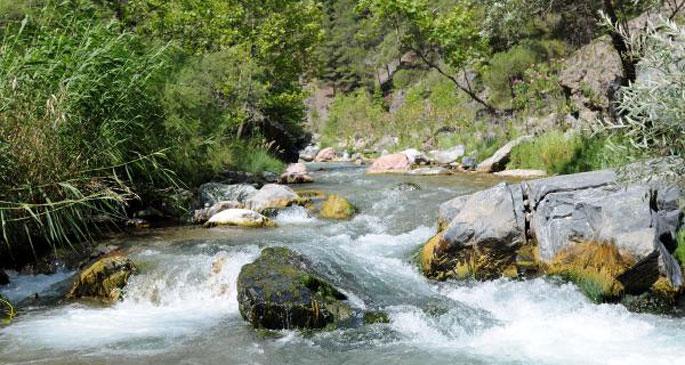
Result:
446,157
482,237
309,153
273,196
641,221
562,223
212,193
280,290
498,161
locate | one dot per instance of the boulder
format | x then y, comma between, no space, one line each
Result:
273,196
498,161
309,153
481,239
239,218
448,156
613,239
296,173
326,155
572,209
395,163
522,174
212,193
337,207
429,171
104,278
4,278
280,290
469,163
201,216
415,156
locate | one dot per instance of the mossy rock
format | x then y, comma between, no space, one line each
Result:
337,207
594,267
662,298
281,291
311,194
7,310
485,263
103,279
374,317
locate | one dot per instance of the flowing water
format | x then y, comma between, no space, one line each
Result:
181,308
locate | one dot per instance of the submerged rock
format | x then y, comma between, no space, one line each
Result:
337,207
374,317
395,163
407,186
104,278
239,218
429,171
212,193
498,161
273,196
280,290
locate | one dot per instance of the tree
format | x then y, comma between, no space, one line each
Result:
446,37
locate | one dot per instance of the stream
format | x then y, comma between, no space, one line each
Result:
181,307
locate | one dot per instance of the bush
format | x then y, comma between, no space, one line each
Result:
680,250
652,109
353,116
505,70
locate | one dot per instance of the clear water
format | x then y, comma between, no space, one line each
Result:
182,308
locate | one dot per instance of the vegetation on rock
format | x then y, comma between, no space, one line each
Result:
337,207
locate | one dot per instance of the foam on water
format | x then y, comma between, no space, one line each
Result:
178,295
295,215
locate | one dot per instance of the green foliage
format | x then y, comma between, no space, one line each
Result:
540,91
352,116
653,108
559,153
505,70
680,250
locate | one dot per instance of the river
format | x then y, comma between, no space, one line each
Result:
181,308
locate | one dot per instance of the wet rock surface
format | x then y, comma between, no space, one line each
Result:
104,278
280,290
239,218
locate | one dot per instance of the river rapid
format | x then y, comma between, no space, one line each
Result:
181,308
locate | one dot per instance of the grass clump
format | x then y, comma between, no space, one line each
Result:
560,153
680,249
593,267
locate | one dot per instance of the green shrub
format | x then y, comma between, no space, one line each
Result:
353,116
505,70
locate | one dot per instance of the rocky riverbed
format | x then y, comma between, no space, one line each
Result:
196,294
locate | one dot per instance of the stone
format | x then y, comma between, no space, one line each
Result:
337,207
4,278
522,174
201,216
498,161
280,290
429,171
395,163
212,193
295,173
469,163
239,218
374,317
407,186
448,156
481,239
326,155
309,153
415,156
137,223
273,196
104,278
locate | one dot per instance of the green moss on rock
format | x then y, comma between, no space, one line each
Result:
376,317
103,279
337,207
281,291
